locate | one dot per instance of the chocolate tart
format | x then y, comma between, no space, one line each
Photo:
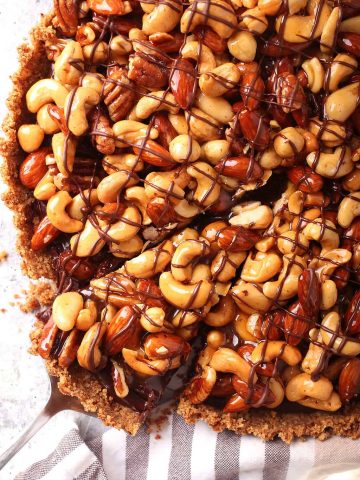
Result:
98,388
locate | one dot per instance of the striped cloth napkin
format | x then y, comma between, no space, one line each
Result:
193,452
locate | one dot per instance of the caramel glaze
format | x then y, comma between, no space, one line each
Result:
145,393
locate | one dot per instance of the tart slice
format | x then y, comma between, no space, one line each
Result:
186,175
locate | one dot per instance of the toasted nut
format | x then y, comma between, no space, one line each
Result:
152,320
286,286
269,351
120,330
288,142
110,186
330,29
30,137
89,355
206,60
227,361
161,17
119,382
302,386
349,381
349,209
335,339
150,262
87,316
218,81
200,386
215,150
216,339
330,405
45,233
341,67
128,132
224,265
315,74
217,107
297,28
46,121
140,364
261,268
184,148
69,349
219,15
56,212
185,253
64,149
242,45
163,346
88,242
202,126
222,314
342,103
252,215
208,189
45,91
69,64
66,308
250,298
77,106
183,296
315,352
160,100
323,231
331,133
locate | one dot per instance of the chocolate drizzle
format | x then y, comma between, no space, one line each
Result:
283,75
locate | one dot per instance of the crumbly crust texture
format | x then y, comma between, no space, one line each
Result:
75,382
79,383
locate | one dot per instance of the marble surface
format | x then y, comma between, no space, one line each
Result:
24,385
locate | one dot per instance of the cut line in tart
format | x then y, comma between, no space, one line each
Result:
187,175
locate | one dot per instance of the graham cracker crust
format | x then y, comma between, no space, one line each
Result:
75,382
78,382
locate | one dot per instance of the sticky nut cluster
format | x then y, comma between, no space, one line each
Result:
158,112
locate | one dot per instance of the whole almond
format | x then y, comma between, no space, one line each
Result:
309,292
33,168
79,268
167,132
120,330
349,380
161,212
237,239
252,89
350,42
107,7
163,345
153,153
242,168
296,324
211,39
150,294
44,234
254,128
305,179
352,315
183,82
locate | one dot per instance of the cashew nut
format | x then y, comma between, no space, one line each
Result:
66,308
322,231
302,386
89,355
45,91
315,74
190,296
227,361
250,298
331,165
154,102
161,17
69,64
218,81
200,53
64,149
110,187
150,262
261,268
349,209
342,103
268,351
341,67
208,189
286,286
185,253
333,338
56,212
77,106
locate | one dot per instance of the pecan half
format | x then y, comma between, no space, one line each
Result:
66,19
147,73
119,94
102,132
